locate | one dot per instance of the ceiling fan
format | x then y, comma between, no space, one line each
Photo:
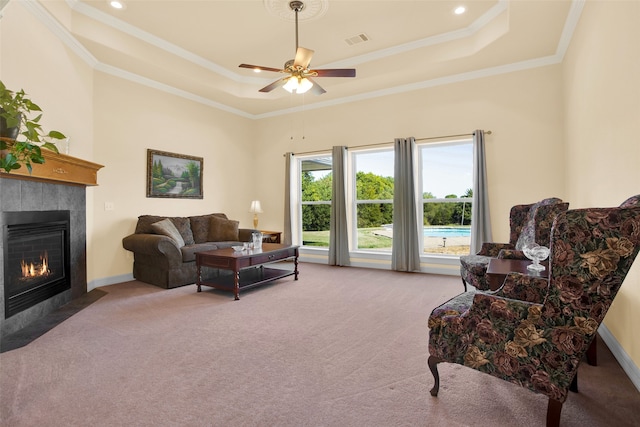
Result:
299,74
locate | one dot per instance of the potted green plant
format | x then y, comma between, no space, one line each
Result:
21,135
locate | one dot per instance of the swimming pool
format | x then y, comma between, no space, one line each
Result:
447,232
443,231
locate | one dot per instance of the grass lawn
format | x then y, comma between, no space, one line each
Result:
366,239
369,238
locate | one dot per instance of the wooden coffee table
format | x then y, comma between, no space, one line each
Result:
248,267
499,268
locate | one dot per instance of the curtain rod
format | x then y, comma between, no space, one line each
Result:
488,132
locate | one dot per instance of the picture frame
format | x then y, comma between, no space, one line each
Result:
174,176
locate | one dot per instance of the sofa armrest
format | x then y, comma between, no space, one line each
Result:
154,245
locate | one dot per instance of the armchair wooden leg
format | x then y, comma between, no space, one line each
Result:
553,413
592,352
433,366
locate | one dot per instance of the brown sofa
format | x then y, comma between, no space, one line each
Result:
164,247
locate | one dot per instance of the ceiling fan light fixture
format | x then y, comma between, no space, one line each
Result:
297,84
304,85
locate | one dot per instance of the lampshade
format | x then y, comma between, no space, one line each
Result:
255,207
300,85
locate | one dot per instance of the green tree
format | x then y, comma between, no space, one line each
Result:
157,169
316,217
194,174
370,186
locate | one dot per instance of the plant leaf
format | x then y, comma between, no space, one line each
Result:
32,106
57,135
50,146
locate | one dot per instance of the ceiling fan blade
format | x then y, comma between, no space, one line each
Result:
274,85
337,72
316,89
261,68
303,57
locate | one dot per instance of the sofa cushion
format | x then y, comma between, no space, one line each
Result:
200,226
166,228
223,230
182,224
189,251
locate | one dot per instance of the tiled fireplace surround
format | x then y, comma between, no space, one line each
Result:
27,195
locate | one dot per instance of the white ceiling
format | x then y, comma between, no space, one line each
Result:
193,48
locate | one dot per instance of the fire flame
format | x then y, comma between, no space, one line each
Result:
36,270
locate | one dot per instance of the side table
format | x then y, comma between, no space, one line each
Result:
271,236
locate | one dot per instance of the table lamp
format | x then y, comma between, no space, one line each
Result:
255,210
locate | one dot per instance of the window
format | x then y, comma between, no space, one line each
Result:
315,200
445,174
373,180
447,181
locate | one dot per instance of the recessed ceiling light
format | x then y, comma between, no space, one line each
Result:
116,4
459,10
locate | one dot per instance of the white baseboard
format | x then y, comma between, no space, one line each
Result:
628,366
106,281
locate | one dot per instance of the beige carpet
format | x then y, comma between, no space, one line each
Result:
339,347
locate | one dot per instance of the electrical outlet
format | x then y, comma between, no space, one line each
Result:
108,206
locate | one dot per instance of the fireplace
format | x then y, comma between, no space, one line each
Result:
52,193
36,258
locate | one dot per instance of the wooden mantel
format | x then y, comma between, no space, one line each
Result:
59,168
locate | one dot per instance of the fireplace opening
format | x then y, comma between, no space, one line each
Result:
36,258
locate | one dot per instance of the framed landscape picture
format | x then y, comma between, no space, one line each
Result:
174,175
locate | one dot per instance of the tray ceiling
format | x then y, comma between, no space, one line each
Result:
193,48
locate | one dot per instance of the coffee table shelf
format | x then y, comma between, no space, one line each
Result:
246,269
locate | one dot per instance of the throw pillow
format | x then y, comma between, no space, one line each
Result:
166,228
223,230
184,227
200,226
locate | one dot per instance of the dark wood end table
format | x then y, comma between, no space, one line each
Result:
248,266
498,270
271,236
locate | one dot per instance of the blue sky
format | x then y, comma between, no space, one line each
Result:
448,167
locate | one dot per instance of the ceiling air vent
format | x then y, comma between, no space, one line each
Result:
362,37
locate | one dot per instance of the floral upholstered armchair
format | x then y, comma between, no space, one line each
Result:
534,331
532,221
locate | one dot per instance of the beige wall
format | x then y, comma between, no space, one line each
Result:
129,119
602,91
575,124
523,110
